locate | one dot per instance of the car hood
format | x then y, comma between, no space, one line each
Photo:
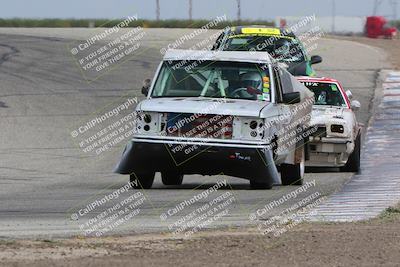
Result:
324,114
236,107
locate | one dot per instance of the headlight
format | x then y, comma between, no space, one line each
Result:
253,125
248,128
147,122
337,128
147,118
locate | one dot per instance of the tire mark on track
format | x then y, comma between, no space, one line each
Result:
6,56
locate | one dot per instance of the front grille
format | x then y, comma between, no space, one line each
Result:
199,125
320,132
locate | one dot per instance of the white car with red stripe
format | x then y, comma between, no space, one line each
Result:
337,139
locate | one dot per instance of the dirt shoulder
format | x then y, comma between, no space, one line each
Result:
372,243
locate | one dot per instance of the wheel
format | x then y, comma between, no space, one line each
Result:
293,174
260,185
353,163
171,178
142,180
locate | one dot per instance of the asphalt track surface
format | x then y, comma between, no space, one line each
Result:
45,177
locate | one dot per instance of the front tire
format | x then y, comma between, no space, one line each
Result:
260,185
353,163
142,180
171,178
293,174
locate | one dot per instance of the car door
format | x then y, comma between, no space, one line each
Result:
285,118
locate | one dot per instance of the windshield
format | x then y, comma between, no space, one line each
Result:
284,49
326,94
213,79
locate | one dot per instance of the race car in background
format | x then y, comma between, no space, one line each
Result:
281,44
220,112
337,140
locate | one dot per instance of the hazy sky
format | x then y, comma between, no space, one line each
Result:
251,9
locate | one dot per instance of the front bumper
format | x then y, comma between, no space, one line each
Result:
201,142
198,158
329,151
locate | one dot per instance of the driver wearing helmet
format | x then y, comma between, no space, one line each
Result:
250,85
322,98
251,79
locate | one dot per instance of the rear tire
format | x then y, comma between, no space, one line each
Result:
353,163
293,174
171,178
142,180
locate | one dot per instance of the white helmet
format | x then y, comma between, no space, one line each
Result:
251,78
322,98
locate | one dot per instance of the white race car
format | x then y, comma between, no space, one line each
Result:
220,112
337,139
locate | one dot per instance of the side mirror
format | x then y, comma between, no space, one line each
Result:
355,105
291,98
349,94
315,60
146,86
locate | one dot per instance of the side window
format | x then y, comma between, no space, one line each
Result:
163,78
278,85
286,79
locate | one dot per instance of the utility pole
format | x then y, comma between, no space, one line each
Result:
333,15
158,9
190,10
377,3
394,6
238,10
